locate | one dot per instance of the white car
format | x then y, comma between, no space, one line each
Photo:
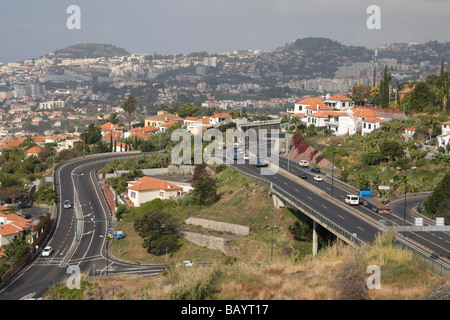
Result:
352,199
303,163
67,204
246,157
318,178
47,251
188,263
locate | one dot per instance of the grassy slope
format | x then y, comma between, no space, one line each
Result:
336,273
242,201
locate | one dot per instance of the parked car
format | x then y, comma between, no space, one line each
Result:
67,204
188,263
318,177
316,170
303,176
303,163
47,251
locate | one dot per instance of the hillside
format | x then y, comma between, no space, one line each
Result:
315,57
90,50
338,273
249,273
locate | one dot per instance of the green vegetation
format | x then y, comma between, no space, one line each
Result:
159,232
339,272
438,204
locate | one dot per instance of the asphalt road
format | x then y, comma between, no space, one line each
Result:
436,241
83,244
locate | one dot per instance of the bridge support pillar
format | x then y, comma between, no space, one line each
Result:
277,202
315,240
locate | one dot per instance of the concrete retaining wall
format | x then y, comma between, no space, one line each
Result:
219,226
158,171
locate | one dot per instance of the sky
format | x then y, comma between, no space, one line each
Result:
31,29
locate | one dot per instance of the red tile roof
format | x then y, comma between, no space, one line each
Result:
147,183
34,150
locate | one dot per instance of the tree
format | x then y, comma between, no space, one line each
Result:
92,135
129,106
390,150
420,98
360,94
205,190
159,232
189,110
385,89
435,203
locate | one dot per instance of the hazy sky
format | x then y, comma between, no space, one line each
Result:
30,29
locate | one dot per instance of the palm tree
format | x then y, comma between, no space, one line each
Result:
129,106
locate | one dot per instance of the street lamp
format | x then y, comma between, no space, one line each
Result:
76,190
332,171
271,248
404,205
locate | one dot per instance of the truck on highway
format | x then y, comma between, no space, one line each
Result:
367,199
260,163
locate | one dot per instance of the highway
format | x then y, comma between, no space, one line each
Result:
439,242
79,238
75,181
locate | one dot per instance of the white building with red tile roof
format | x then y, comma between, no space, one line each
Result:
12,227
339,102
147,189
371,124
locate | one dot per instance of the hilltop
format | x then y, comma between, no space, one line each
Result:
90,50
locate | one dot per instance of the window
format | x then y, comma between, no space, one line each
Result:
132,194
161,194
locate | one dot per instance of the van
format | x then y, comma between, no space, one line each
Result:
352,199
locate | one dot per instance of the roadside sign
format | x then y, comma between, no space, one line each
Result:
383,187
118,234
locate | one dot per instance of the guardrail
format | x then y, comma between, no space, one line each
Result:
325,221
294,201
423,255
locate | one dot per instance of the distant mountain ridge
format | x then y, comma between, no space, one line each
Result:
90,50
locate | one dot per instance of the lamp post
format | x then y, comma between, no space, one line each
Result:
332,171
271,248
404,205
76,190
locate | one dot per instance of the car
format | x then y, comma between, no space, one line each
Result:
316,170
303,163
27,215
67,204
318,177
246,157
352,199
188,263
47,251
303,176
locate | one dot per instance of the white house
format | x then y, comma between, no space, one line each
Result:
300,106
12,227
220,119
147,189
371,124
339,102
444,138
446,127
339,122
